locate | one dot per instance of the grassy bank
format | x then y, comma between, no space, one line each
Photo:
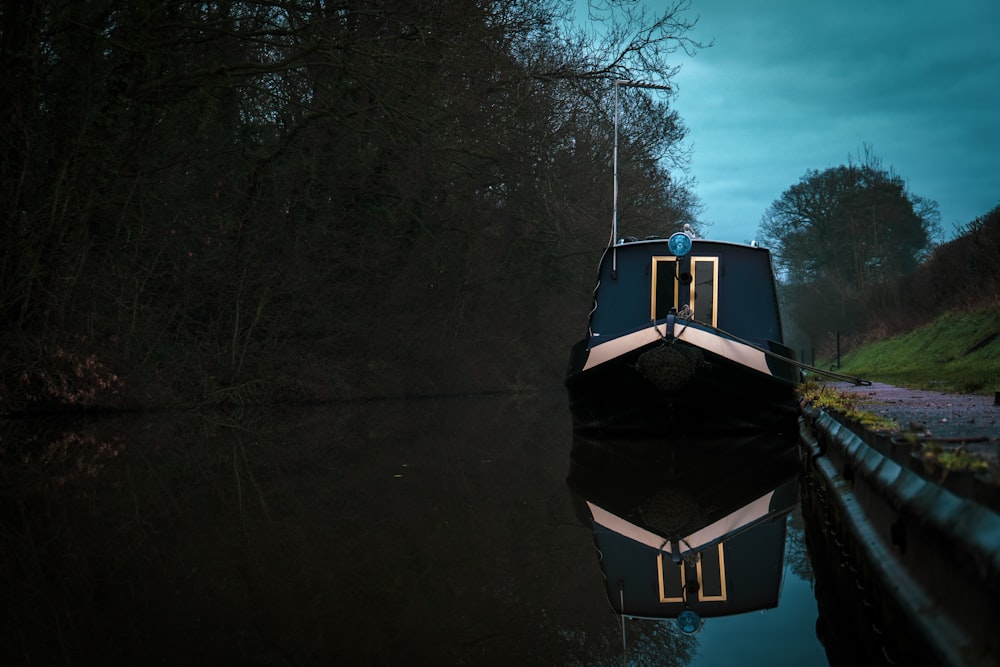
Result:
957,352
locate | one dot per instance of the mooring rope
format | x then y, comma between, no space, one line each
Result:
843,377
800,364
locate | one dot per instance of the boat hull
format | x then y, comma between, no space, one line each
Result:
646,387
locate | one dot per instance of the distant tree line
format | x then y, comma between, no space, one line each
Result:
859,257
311,199
960,275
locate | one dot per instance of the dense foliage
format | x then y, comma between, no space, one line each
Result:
841,238
910,283
962,274
316,198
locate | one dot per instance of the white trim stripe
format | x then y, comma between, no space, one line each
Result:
739,352
744,516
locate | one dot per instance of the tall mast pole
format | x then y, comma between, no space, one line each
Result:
614,160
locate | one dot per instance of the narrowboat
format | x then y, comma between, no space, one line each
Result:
696,535
684,337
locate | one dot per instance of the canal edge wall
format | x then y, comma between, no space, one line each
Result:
922,564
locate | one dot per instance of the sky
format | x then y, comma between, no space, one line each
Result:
794,85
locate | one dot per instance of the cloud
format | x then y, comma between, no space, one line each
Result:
793,85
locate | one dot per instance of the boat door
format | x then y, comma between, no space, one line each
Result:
685,281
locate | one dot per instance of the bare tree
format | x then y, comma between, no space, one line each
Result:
220,191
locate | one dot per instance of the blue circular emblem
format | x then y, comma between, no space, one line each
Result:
679,244
689,622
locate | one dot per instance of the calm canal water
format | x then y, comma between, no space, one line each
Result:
430,532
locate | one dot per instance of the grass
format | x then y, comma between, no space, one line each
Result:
820,396
953,460
957,352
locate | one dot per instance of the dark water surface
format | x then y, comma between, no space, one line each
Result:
430,532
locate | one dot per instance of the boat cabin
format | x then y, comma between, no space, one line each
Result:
725,285
738,574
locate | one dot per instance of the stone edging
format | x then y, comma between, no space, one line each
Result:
936,553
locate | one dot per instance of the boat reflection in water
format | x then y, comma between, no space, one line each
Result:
690,529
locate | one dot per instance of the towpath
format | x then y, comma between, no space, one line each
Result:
932,423
930,413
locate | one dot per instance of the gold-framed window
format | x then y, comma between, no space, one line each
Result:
671,287
672,581
705,289
664,293
710,571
